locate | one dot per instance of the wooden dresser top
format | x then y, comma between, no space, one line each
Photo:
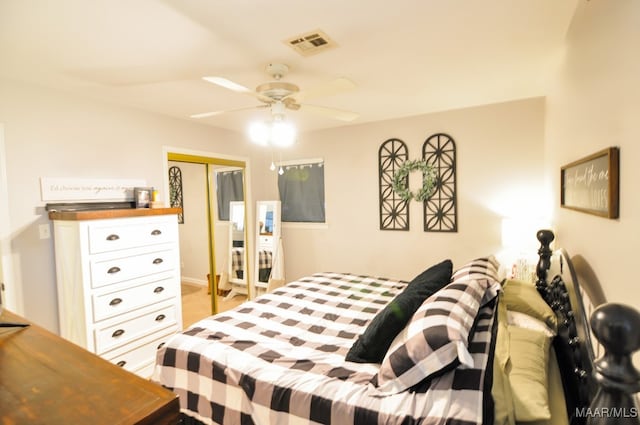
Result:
111,213
45,379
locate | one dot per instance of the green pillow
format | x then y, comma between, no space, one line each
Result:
524,297
528,359
501,389
557,402
372,345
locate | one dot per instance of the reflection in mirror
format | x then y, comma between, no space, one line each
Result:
265,226
231,243
269,255
237,253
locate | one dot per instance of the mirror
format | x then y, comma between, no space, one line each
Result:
268,256
237,254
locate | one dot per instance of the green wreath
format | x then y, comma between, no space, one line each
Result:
400,180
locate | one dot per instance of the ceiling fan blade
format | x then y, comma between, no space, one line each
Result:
214,113
339,85
238,88
227,84
334,113
206,114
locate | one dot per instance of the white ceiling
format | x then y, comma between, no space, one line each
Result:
407,57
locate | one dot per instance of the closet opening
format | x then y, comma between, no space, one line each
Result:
214,246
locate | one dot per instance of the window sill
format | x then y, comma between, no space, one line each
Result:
303,225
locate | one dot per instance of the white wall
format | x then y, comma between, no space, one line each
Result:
594,104
194,232
51,134
499,171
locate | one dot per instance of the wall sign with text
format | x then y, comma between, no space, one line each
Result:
80,189
591,184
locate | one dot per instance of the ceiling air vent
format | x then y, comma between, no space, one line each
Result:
311,43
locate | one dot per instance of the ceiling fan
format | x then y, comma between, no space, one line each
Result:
280,95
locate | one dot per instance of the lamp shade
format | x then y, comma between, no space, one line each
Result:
519,234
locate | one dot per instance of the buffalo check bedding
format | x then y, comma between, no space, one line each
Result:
280,359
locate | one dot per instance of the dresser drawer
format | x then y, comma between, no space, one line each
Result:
265,242
139,357
113,303
113,237
114,270
110,337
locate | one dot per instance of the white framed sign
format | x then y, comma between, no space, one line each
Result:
73,189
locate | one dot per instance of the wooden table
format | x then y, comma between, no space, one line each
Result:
45,379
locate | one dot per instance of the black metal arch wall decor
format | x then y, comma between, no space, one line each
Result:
440,212
394,212
175,191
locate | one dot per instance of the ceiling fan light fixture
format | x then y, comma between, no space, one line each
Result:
277,133
283,134
259,133
280,96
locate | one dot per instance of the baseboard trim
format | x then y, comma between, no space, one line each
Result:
194,281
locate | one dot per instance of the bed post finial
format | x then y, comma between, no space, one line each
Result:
617,327
545,237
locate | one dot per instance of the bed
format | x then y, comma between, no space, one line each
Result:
339,348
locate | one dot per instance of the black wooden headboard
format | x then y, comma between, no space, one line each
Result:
594,344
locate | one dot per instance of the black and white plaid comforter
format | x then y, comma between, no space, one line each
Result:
280,359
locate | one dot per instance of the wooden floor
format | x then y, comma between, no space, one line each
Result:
196,303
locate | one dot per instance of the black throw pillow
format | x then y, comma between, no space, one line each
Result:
372,345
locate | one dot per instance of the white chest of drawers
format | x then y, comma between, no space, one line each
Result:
118,277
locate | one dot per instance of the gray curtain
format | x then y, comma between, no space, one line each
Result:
302,193
229,188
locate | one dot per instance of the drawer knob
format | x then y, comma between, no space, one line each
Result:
113,237
115,302
156,232
158,261
160,345
113,270
117,333
121,363
160,317
158,289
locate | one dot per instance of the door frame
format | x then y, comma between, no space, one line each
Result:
170,153
11,293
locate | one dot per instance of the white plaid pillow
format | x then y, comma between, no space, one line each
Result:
480,268
436,338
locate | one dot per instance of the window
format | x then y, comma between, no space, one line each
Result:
229,188
301,188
